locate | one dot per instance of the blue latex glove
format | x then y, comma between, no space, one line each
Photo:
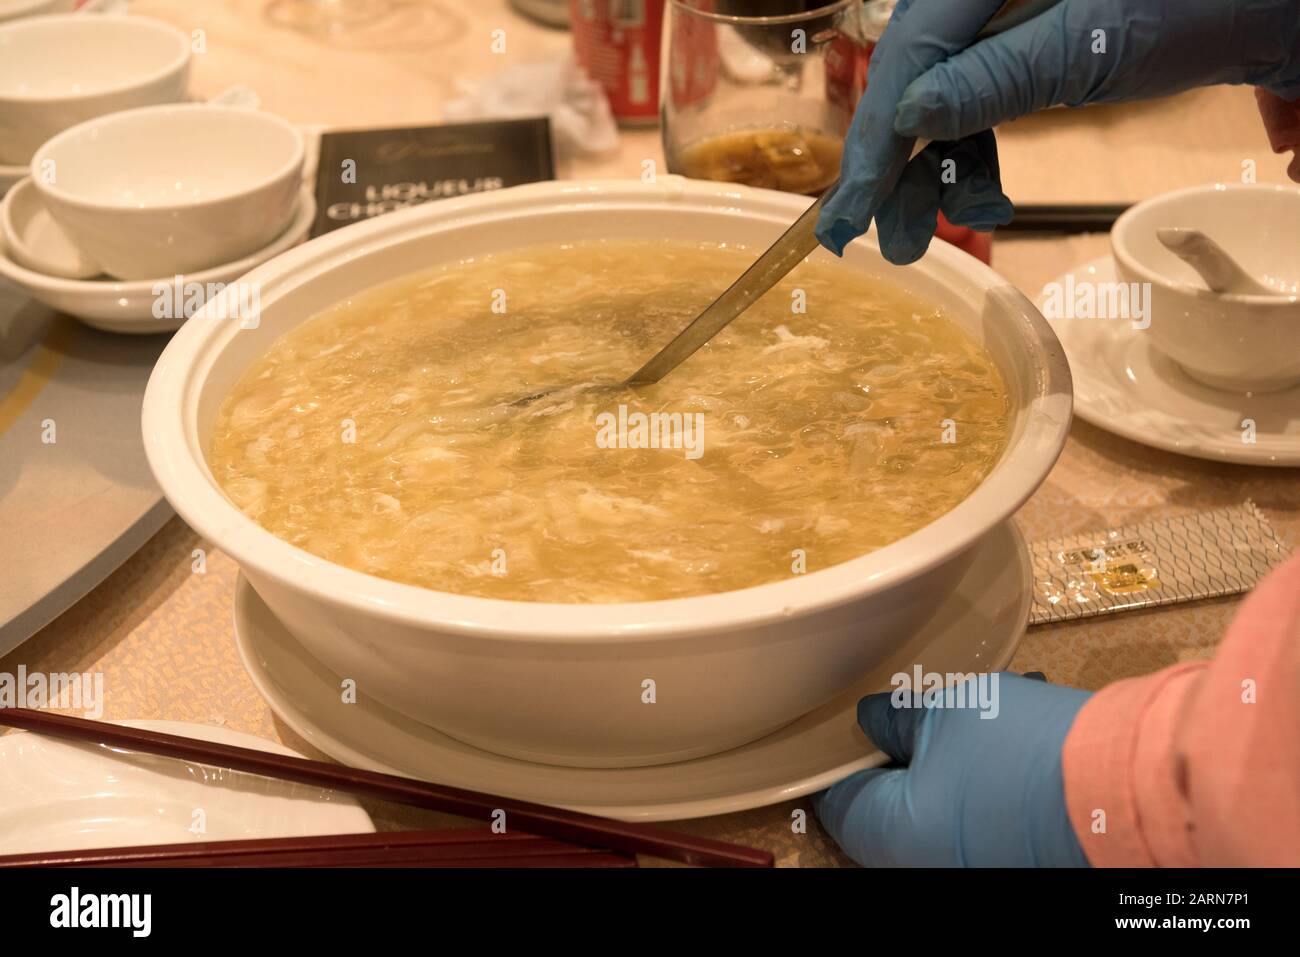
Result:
929,77
977,792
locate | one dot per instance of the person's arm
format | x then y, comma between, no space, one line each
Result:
1198,764
1195,764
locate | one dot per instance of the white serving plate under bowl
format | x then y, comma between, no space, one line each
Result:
559,683
1233,341
976,629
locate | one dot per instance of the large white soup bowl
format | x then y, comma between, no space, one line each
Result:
563,684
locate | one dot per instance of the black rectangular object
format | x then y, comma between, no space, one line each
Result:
366,173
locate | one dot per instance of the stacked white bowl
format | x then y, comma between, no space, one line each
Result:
114,181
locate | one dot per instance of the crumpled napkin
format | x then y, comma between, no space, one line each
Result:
581,121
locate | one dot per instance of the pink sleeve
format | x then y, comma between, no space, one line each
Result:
1198,764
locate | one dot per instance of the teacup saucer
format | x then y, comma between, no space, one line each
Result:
1124,385
976,629
128,307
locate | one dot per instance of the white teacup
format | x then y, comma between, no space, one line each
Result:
1241,343
57,71
169,190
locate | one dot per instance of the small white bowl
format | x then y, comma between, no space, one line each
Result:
57,71
1240,343
163,190
561,683
129,307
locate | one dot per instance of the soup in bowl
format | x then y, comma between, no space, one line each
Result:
605,576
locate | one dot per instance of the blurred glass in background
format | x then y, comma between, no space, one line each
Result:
326,16
370,24
761,92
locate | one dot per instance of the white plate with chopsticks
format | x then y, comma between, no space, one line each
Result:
976,629
58,795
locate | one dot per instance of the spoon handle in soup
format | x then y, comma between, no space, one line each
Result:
788,251
795,244
782,256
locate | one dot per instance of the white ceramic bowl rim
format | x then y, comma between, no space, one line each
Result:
176,455
288,168
90,21
1128,221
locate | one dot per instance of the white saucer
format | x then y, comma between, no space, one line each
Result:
57,795
127,307
976,629
1122,384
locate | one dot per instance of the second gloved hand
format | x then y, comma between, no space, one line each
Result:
929,77
980,786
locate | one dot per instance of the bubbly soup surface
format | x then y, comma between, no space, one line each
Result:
836,416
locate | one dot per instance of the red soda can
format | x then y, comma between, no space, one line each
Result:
617,43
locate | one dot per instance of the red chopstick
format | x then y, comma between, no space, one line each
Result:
453,847
540,819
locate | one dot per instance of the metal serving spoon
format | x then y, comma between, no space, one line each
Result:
795,244
781,257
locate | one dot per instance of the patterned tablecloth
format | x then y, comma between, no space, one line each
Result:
161,634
